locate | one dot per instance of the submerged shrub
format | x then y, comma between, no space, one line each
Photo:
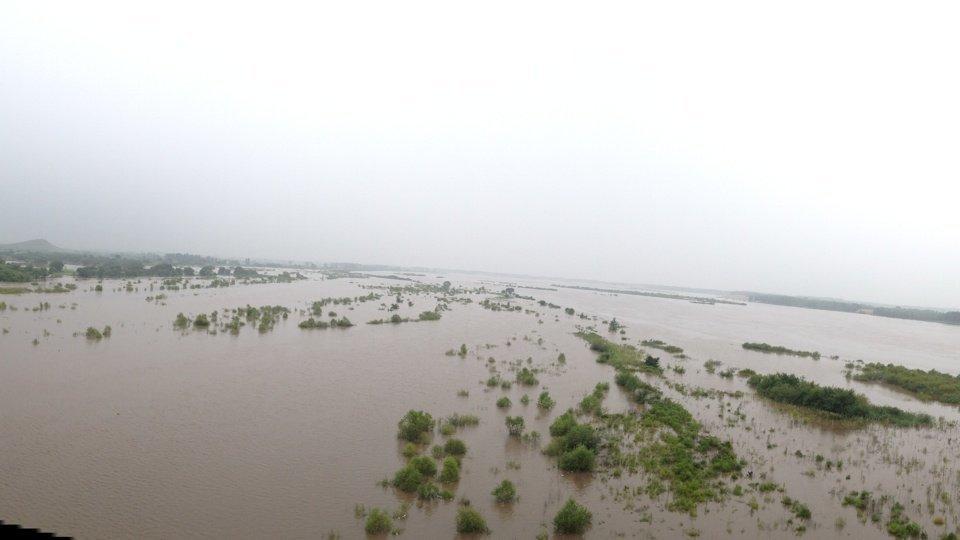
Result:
93,333
378,522
503,402
451,470
900,526
515,425
415,426
526,377
342,322
407,479
572,518
800,510
425,465
312,323
562,424
428,491
545,401
505,492
181,321
581,434
455,447
580,459
858,500
201,321
470,521
590,404
461,420
409,450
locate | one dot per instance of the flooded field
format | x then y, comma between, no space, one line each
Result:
164,432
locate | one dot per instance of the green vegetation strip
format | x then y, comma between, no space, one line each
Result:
777,349
840,403
929,385
657,344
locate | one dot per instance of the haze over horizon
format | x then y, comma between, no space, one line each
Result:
805,150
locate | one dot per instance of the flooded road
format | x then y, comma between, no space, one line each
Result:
158,433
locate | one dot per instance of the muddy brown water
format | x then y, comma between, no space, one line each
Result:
157,433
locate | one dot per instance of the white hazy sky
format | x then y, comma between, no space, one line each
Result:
803,147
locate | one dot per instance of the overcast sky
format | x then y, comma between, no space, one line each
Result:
803,148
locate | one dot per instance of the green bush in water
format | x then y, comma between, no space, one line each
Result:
580,459
378,522
572,518
451,470
562,424
425,465
428,491
407,479
415,426
455,447
470,521
505,492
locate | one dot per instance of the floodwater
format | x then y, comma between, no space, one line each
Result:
158,433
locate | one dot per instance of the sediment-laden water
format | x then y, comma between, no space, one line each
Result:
156,432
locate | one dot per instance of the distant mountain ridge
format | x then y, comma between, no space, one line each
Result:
38,245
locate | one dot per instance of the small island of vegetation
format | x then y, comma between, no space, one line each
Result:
928,385
841,403
666,347
777,349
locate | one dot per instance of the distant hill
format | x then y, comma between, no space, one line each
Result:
38,245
